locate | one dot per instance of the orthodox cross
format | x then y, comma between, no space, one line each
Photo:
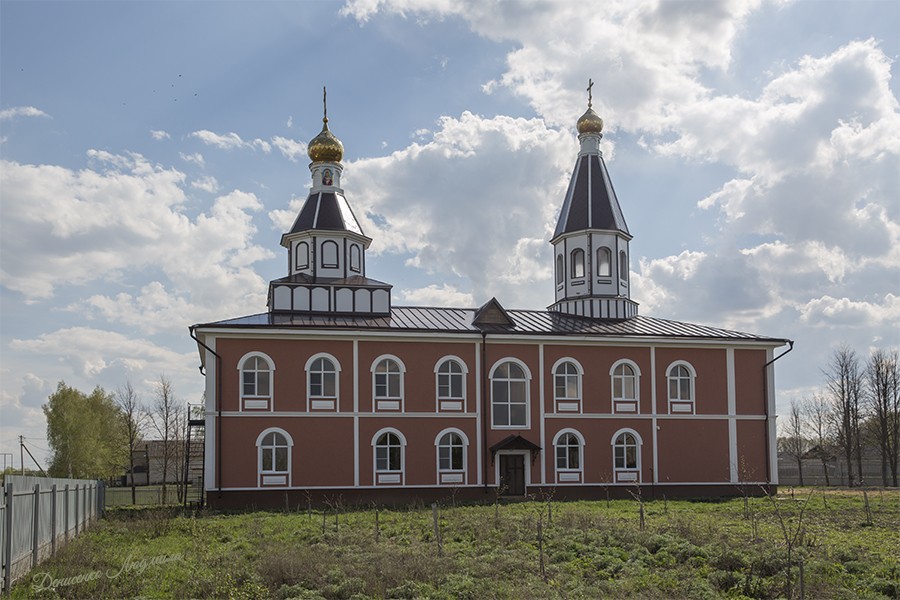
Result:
324,104
590,97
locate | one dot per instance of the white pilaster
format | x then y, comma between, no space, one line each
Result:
732,421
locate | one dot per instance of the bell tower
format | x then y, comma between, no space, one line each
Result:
326,246
590,244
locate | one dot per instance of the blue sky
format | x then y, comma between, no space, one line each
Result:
153,153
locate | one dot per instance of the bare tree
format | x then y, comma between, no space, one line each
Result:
163,417
844,381
883,393
817,411
134,421
793,443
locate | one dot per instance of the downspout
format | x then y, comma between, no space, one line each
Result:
218,411
484,413
766,403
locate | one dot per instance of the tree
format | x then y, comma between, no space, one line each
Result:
134,421
793,443
164,417
883,394
85,434
819,432
844,382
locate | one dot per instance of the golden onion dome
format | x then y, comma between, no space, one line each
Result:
325,147
590,122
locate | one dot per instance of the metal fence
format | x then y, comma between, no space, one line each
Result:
39,515
814,472
150,494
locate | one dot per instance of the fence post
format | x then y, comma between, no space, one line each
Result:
53,505
66,511
7,550
35,539
77,518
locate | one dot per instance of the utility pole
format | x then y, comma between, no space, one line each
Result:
21,453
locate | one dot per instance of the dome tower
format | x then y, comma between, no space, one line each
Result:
590,244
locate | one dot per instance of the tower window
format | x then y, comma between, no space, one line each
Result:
560,270
623,266
604,262
329,254
301,258
578,263
354,258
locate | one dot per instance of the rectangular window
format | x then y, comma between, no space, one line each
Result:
281,459
262,383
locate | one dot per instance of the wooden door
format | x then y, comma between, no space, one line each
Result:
512,474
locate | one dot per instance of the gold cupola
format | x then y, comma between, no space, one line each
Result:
589,122
325,147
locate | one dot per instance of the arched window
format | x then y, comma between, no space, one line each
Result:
567,386
256,380
627,456
560,270
509,396
274,457
329,254
322,382
623,266
301,259
451,456
604,262
625,386
569,465
387,383
355,260
451,385
389,457
681,377
577,263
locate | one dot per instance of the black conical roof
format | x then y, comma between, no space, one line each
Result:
591,201
326,210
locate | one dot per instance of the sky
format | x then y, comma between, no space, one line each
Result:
152,154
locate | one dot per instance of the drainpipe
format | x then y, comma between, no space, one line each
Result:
484,412
766,402
218,411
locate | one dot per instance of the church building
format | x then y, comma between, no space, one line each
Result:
335,391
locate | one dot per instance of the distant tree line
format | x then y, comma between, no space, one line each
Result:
856,415
96,435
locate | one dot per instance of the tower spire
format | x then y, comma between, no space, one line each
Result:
325,105
590,96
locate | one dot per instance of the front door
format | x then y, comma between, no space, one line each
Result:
512,474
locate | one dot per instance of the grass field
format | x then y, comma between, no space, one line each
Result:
534,549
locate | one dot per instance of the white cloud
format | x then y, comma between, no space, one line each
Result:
158,134
195,158
477,198
290,121
830,312
21,111
230,141
438,295
291,149
207,184
127,216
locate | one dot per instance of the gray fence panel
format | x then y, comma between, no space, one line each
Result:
27,536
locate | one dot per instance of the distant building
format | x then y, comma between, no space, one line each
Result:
334,390
148,462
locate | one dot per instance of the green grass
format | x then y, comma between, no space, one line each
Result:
686,550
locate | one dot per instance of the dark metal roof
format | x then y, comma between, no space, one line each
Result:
326,210
459,320
353,280
591,201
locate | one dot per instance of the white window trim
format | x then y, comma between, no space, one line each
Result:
337,255
437,387
640,448
693,401
527,371
572,256
375,398
608,263
402,471
270,398
297,265
259,470
580,398
581,453
637,386
337,380
437,457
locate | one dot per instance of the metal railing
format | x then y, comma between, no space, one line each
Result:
39,515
